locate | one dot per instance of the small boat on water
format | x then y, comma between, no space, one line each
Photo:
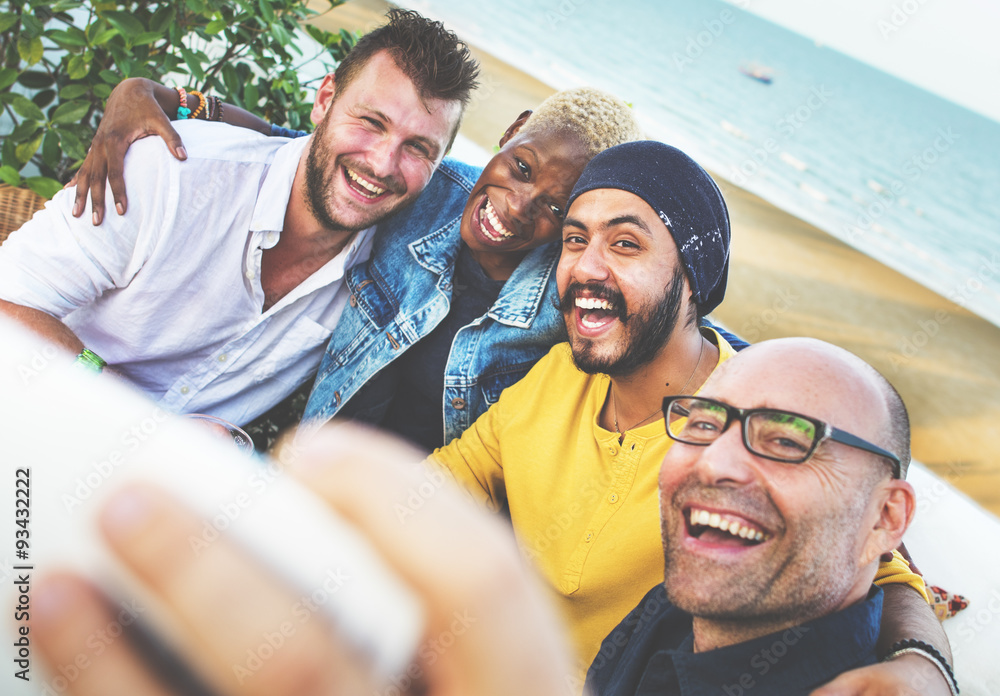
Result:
757,72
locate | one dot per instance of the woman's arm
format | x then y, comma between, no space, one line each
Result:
137,108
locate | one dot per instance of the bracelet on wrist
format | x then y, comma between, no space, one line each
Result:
201,103
927,651
183,111
91,360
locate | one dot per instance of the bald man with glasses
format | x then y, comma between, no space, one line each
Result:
783,489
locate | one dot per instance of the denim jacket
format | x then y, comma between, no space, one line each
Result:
404,291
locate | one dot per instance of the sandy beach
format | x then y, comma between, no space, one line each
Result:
789,278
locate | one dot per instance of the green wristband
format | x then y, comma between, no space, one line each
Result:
91,360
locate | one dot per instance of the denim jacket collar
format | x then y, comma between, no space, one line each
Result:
519,300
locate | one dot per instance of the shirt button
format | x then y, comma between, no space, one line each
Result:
250,275
590,535
613,498
458,403
185,390
223,357
612,451
354,301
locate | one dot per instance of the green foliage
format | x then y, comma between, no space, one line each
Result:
59,61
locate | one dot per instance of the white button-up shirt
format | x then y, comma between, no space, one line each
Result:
170,293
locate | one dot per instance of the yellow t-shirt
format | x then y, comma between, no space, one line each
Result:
584,508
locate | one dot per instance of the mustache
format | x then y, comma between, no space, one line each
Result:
391,183
567,301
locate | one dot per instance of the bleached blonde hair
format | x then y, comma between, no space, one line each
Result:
601,120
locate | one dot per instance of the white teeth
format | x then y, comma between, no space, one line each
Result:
704,518
491,215
593,303
375,190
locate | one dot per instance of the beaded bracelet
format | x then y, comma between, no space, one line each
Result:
90,360
183,111
217,114
918,647
201,102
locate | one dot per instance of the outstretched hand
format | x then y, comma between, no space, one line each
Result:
132,112
490,631
906,675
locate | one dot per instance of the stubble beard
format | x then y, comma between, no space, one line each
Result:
646,332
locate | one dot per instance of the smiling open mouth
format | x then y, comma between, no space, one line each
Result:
723,529
595,312
366,188
490,224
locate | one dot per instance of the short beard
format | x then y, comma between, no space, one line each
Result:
646,333
319,179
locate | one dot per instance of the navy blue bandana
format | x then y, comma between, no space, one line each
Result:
686,199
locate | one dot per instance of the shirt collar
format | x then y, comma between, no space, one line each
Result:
519,301
276,188
791,661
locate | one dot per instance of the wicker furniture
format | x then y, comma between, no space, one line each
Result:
17,205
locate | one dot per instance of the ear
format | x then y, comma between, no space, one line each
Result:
324,97
897,503
513,128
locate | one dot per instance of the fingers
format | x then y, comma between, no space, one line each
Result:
248,634
97,182
482,602
82,641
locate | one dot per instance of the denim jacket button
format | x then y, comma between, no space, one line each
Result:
458,403
354,301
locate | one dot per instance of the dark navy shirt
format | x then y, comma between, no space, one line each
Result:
651,652
416,411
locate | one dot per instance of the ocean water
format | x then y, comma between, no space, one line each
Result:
899,173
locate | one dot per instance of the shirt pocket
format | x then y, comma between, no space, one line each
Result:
494,381
302,338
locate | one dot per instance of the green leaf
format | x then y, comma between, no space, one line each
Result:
67,38
102,91
7,20
71,112
35,79
44,97
31,26
44,186
77,68
24,130
51,152
125,22
73,91
7,77
266,11
251,96
71,144
216,26
193,63
147,37
30,50
27,108
162,19
111,77
103,37
10,176
25,151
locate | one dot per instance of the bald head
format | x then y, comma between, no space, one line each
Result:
830,383
810,530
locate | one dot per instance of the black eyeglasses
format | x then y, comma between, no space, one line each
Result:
770,433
